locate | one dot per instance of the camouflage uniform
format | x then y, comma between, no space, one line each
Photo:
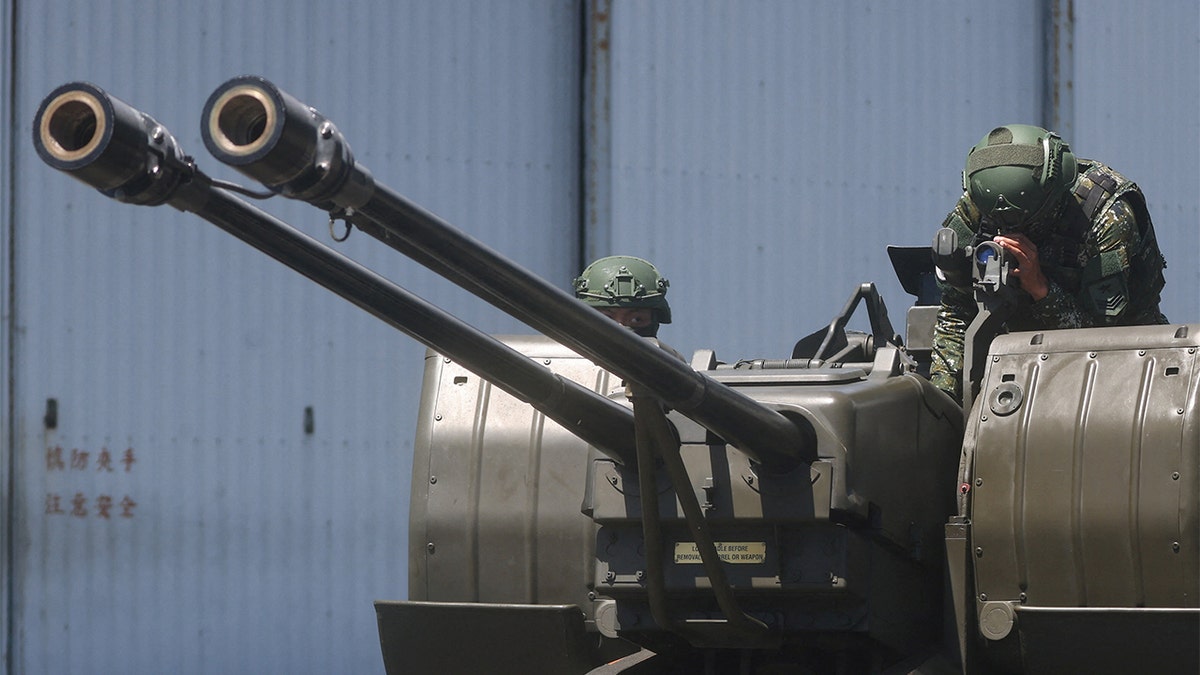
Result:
1101,259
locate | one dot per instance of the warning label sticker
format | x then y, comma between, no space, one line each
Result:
735,552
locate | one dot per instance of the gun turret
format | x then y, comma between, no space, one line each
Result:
124,153
273,138
761,557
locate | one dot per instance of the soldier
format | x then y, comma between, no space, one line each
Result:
1079,234
629,290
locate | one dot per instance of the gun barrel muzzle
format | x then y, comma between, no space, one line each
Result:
287,146
99,139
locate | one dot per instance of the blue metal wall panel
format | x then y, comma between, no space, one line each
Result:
178,517
6,205
1137,103
764,154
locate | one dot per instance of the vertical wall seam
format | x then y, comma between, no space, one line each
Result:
595,229
581,145
1058,87
8,14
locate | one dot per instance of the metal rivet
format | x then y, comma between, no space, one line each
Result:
437,418
995,359
1091,355
1024,598
983,418
1174,475
641,575
610,576
432,480
979,553
983,597
546,361
1044,357
978,482
1179,411
1175,546
430,547
1141,352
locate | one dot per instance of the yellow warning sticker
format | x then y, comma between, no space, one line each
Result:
735,552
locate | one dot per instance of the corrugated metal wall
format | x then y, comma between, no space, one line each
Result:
7,441
762,153
1137,107
766,157
178,517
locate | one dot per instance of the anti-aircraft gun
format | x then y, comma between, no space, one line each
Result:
774,516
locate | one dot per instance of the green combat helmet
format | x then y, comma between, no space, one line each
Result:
622,281
1018,177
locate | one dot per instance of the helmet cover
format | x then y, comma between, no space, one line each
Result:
624,281
1018,177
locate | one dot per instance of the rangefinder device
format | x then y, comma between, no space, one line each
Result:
984,265
990,266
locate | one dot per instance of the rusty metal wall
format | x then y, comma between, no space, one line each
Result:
173,509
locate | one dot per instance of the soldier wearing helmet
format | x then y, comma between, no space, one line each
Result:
627,289
1079,234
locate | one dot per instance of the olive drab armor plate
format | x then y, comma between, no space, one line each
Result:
1084,491
496,489
498,493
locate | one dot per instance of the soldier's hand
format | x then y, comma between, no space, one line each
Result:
1028,270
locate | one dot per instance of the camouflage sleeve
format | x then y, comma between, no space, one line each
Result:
1107,274
1058,309
1104,295
957,311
